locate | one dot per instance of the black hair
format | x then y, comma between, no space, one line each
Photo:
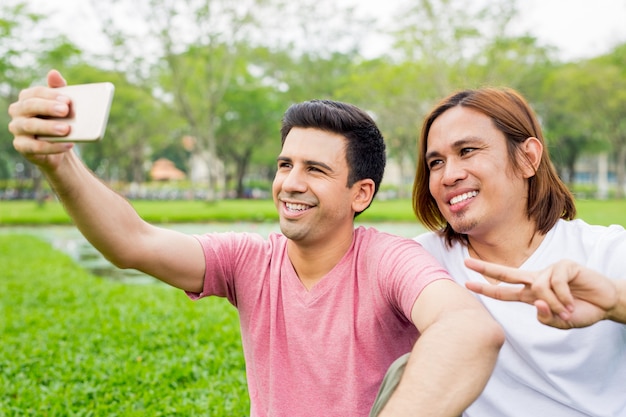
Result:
365,146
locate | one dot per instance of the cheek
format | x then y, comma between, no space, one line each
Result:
432,183
276,185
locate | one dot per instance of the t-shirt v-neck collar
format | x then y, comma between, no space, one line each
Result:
328,281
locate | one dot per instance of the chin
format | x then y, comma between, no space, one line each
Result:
463,227
291,233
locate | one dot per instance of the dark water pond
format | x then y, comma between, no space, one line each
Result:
69,240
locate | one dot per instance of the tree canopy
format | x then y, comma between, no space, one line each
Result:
219,74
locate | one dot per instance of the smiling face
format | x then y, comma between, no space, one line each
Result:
471,177
310,188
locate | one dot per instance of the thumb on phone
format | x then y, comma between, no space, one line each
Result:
55,79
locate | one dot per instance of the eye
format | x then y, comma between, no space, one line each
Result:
434,163
283,165
466,151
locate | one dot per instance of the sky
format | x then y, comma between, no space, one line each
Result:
578,28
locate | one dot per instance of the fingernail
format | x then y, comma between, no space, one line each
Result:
60,128
60,109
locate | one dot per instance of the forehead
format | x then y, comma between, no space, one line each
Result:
314,144
462,123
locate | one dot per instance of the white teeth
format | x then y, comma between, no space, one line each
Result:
463,197
296,207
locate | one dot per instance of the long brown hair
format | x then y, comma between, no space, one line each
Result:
549,199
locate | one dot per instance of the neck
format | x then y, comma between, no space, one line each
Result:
511,248
313,262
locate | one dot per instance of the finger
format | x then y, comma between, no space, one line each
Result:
55,79
542,289
499,272
496,291
546,316
46,93
40,102
28,146
33,126
560,283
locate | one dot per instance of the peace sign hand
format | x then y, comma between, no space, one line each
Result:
566,294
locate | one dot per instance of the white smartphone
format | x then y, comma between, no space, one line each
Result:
89,112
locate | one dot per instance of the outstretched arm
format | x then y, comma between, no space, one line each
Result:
104,217
453,358
566,294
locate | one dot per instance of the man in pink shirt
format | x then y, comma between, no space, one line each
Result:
324,308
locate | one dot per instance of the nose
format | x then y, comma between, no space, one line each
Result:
453,171
294,181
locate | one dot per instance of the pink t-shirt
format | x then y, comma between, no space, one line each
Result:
323,351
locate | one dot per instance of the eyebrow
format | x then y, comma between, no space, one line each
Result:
308,162
455,145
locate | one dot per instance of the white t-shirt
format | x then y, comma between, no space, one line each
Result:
543,371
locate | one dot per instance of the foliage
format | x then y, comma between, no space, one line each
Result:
251,110
222,73
16,18
608,93
76,345
592,118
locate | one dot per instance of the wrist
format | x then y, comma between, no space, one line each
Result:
617,312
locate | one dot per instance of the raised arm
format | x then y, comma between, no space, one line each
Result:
566,294
453,358
104,217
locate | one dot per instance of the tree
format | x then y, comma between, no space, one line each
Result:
195,54
609,108
567,129
251,123
195,49
441,46
23,50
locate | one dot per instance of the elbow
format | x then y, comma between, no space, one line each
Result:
491,334
487,332
495,335
121,260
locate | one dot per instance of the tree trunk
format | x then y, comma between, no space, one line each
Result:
620,171
603,176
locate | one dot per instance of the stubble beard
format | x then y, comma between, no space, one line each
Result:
461,224
291,230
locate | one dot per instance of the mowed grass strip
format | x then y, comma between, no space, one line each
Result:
72,344
602,212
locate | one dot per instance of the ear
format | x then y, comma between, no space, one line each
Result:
533,150
363,193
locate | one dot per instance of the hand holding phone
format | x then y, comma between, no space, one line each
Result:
89,112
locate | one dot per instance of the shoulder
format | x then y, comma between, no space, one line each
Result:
394,254
371,235
598,247
431,240
436,245
371,239
579,229
240,242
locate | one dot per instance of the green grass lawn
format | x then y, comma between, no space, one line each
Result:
72,344
29,213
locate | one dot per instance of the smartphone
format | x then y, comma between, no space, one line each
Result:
89,112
